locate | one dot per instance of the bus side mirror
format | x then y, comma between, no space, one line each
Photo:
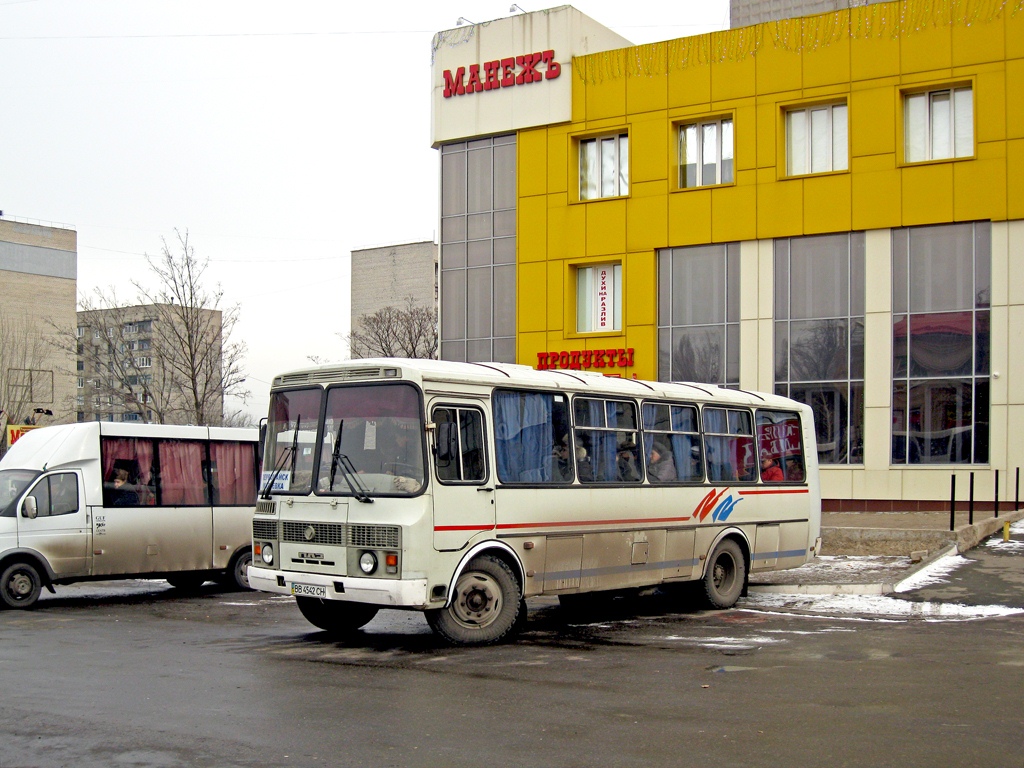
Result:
29,508
447,441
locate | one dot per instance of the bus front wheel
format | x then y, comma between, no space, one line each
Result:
725,575
20,586
335,616
485,606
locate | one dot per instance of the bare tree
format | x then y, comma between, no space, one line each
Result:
26,378
396,332
168,357
192,334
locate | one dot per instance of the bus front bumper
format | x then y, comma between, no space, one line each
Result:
396,593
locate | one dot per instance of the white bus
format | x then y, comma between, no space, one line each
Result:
460,489
99,500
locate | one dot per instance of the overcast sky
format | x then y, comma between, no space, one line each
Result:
281,135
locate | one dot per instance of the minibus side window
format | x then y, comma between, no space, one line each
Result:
56,495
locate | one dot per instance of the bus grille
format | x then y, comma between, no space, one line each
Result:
313,533
336,534
374,536
265,507
264,529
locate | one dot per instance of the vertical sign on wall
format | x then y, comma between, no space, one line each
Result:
604,310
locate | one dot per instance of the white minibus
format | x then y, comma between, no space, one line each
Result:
99,500
460,489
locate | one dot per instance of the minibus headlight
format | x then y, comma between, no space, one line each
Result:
267,553
368,563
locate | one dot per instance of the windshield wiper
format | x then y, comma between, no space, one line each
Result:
360,491
336,452
265,493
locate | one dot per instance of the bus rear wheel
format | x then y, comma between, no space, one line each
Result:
20,586
336,616
485,607
725,575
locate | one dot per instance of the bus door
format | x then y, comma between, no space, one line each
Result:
53,521
464,490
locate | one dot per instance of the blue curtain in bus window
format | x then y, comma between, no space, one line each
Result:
523,430
687,458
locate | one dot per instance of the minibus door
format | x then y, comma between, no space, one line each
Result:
463,487
53,521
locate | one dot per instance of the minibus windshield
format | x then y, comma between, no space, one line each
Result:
13,482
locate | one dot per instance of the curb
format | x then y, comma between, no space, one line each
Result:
884,588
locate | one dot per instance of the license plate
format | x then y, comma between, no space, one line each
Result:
309,590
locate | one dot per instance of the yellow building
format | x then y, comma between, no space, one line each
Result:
829,207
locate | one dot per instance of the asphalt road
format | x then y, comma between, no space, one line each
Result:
139,675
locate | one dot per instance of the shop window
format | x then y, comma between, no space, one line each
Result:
699,314
816,139
599,298
706,153
938,124
604,167
819,337
941,343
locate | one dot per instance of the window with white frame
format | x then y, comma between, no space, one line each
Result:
599,298
80,332
144,362
938,125
706,153
816,139
604,167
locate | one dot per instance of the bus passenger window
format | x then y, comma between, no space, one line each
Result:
607,431
729,445
779,446
527,427
672,440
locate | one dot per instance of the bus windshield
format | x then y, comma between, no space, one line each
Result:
372,441
12,483
291,439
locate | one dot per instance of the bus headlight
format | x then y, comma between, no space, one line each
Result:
368,563
267,553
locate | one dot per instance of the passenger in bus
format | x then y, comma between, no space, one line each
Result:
562,467
123,495
794,470
771,472
626,461
661,468
584,467
397,450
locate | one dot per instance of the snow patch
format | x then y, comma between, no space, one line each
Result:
935,573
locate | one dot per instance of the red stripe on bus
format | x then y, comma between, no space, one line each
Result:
780,490
505,526
463,527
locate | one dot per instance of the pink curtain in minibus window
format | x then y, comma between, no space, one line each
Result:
181,473
136,457
234,473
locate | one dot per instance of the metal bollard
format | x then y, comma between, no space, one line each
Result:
997,493
1006,531
970,502
952,502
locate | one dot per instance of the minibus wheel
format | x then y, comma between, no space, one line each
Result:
20,586
485,607
237,575
336,616
725,575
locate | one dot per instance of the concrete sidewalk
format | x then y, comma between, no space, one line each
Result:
869,553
